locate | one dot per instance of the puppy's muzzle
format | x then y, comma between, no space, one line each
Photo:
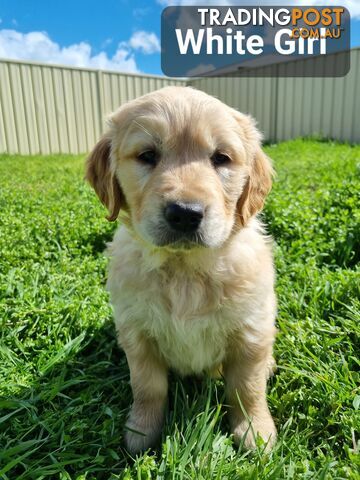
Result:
184,217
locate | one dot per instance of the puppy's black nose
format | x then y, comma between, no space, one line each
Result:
184,217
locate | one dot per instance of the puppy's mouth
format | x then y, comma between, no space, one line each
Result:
178,241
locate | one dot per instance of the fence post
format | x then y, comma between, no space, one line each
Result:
274,105
100,95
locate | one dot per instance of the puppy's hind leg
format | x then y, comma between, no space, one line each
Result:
148,376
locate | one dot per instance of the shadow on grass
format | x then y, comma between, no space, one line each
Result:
97,241
71,420
72,417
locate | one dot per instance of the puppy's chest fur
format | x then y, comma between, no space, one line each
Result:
190,313
189,321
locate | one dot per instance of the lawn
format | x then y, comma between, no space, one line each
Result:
64,383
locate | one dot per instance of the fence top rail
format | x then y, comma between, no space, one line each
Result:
87,69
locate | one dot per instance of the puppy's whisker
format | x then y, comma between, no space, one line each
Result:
145,130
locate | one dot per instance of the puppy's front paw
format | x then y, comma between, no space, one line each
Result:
262,425
270,367
143,430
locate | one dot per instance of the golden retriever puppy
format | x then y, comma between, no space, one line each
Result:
191,274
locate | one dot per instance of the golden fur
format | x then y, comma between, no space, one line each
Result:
189,305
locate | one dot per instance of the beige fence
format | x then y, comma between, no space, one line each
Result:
289,107
51,109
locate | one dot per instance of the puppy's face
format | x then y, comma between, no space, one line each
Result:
186,167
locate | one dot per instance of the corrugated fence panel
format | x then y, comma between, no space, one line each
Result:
60,105
355,135
43,122
29,106
79,111
3,143
248,95
8,110
51,109
328,107
69,110
18,105
108,104
119,88
288,107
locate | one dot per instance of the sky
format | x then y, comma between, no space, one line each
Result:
122,35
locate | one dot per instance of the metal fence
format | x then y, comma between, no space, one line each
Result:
52,109
289,107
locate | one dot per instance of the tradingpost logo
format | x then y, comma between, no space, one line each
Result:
212,41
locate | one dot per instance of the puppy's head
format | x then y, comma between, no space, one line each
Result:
187,168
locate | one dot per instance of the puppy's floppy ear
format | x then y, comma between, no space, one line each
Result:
257,186
259,181
102,178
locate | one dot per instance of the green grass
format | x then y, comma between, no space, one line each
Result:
64,383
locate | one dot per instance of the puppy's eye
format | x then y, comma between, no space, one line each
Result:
150,157
218,159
